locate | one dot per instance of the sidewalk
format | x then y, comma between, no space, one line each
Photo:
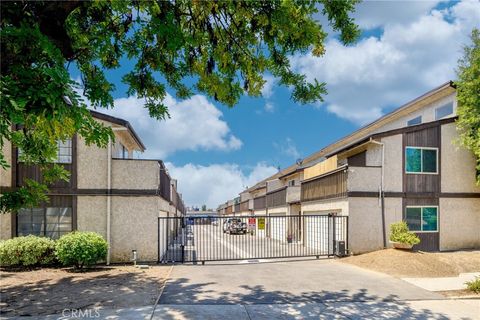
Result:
444,283
421,309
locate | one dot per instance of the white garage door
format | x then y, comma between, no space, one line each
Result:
278,226
316,232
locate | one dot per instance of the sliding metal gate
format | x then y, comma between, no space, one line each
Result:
200,239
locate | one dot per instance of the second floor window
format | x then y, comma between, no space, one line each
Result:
64,152
414,121
421,160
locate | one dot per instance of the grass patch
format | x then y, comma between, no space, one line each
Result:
474,285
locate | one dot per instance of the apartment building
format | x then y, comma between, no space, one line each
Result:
109,192
407,165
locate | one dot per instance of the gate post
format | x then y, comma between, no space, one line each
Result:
158,240
182,246
334,233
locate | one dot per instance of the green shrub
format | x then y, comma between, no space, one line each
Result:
81,249
27,251
474,285
399,233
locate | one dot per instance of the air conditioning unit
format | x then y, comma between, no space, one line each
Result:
340,250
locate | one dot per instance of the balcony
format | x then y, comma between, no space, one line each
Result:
293,194
135,174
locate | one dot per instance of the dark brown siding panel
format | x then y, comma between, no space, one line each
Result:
229,210
429,137
259,203
237,207
358,160
429,241
327,187
244,206
277,198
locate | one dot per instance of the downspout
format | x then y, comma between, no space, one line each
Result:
109,199
382,192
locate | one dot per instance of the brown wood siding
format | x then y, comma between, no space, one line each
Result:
237,207
165,184
429,241
429,137
229,210
277,198
259,203
327,187
244,206
358,160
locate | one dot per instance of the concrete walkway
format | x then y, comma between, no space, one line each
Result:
420,309
445,283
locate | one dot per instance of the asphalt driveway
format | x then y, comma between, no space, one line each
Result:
276,282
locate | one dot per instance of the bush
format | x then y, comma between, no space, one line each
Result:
474,285
81,249
27,251
399,233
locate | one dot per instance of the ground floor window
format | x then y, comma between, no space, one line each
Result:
50,222
422,218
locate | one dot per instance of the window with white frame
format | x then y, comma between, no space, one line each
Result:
421,160
64,151
414,121
422,218
444,111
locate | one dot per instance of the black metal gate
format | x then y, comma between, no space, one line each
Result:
199,239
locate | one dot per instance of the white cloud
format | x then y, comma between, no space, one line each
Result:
216,183
195,124
267,90
288,148
269,107
411,57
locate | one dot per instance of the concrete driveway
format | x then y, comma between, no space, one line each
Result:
289,282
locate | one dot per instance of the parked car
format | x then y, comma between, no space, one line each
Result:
234,226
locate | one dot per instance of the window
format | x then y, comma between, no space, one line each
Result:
291,183
120,152
443,111
421,160
414,121
422,218
51,222
64,152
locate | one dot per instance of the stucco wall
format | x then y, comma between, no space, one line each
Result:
459,223
5,226
364,179
92,214
458,164
393,213
364,225
277,210
6,175
260,212
91,166
374,155
427,113
135,174
134,227
325,206
393,172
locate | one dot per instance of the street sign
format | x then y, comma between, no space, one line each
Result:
251,223
261,223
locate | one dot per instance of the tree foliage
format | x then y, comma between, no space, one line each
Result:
468,97
223,47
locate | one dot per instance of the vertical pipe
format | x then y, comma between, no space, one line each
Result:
109,199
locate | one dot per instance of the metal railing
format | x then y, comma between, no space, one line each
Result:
200,239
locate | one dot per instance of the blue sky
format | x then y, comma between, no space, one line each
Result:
214,151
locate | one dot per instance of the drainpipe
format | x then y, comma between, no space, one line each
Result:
109,199
382,192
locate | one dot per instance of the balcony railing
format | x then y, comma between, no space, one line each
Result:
277,198
331,185
293,194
